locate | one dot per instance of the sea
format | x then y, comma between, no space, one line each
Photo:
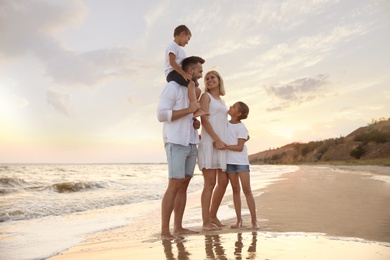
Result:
48,208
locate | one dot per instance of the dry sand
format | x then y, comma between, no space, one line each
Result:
314,213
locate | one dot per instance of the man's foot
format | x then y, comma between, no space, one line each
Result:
200,113
255,225
185,231
216,222
167,236
210,227
237,225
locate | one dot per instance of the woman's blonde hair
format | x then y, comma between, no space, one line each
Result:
221,85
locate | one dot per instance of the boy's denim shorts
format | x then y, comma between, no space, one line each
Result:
235,168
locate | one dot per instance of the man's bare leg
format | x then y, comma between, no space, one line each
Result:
167,206
180,205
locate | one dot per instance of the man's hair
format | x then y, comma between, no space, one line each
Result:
181,28
244,109
191,61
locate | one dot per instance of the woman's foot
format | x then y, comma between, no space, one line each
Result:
237,225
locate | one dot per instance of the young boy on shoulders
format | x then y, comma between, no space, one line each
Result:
174,55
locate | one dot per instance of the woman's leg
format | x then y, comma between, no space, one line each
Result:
209,177
219,192
250,200
235,183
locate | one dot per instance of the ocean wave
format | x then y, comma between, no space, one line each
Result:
12,182
65,187
12,215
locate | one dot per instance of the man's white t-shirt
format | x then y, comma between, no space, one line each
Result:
180,55
234,132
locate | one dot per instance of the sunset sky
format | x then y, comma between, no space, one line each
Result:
80,80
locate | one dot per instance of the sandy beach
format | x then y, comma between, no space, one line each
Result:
317,212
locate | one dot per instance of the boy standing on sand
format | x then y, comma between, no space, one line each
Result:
174,55
238,163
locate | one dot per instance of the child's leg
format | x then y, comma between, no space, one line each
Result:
179,79
193,95
235,182
250,200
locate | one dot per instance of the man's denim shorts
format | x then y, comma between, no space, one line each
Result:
235,168
181,160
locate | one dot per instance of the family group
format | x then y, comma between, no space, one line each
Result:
219,150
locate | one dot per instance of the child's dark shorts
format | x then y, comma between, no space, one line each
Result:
175,76
235,168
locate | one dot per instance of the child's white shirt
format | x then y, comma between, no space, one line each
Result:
180,55
234,132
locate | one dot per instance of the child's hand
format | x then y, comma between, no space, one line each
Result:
219,145
187,76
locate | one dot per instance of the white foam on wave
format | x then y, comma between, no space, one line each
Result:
59,233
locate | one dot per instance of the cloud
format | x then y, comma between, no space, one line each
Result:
30,28
91,68
296,92
20,102
26,26
60,101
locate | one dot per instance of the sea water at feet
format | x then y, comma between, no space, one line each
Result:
47,208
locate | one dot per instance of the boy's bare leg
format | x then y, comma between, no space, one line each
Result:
193,95
235,183
250,200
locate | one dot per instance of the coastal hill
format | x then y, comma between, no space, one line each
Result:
368,144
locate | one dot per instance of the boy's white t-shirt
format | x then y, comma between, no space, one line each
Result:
234,132
174,48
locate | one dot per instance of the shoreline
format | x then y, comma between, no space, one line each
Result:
316,206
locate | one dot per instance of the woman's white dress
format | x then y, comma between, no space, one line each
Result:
208,156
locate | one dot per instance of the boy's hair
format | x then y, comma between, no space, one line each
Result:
221,84
191,61
244,109
181,28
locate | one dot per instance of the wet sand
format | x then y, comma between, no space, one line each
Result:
314,213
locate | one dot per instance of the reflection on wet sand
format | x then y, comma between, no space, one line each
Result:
213,247
251,249
216,247
182,252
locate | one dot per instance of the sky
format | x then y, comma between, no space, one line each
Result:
80,79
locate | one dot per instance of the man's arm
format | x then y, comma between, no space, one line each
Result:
165,112
176,114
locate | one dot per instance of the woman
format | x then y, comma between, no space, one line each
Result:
211,149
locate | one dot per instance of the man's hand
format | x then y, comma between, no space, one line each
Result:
196,124
194,106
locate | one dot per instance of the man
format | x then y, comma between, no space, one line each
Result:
180,139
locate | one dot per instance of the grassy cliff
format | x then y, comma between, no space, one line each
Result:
366,145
